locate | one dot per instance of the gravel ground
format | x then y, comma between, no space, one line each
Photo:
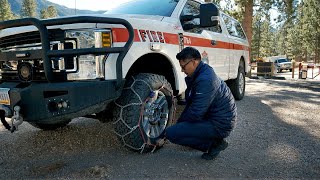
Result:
277,136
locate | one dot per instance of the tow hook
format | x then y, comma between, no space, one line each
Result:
16,119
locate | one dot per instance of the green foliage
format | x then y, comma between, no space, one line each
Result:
29,8
52,12
287,9
16,6
297,33
301,31
5,11
43,14
263,40
49,12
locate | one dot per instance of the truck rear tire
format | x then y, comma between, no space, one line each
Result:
48,127
143,112
238,85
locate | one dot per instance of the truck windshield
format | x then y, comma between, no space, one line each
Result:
146,7
282,60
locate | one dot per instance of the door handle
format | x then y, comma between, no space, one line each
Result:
213,42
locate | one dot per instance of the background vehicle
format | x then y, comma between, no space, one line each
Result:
119,65
282,64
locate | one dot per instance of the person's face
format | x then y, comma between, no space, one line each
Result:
188,66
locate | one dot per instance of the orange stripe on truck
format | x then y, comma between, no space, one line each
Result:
121,35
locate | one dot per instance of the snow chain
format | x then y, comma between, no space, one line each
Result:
142,104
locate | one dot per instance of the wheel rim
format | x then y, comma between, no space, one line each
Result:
241,83
155,115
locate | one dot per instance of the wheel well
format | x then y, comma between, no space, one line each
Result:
156,64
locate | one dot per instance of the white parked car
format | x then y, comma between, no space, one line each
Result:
282,64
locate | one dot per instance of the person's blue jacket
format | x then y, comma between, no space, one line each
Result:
209,98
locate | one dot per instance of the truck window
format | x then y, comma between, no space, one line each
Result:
193,8
146,7
229,24
239,30
234,28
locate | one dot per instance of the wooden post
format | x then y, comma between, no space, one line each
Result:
293,66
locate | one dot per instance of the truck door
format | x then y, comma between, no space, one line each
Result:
211,42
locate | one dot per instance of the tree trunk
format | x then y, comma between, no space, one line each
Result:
247,20
317,58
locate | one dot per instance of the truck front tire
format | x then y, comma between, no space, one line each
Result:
143,112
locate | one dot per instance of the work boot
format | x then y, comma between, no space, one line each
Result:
160,142
215,149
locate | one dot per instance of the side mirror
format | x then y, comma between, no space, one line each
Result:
209,15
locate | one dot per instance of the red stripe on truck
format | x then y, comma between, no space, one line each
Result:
171,38
121,35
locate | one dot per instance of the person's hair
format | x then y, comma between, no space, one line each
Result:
188,53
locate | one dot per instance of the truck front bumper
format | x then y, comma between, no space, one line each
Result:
56,102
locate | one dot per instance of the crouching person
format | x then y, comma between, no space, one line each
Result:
210,111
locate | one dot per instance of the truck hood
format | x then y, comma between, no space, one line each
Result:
130,18
285,63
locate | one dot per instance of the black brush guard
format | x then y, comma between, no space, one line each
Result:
45,53
33,104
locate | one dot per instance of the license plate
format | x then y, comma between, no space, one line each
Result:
4,96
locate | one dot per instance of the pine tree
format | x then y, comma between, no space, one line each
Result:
263,36
43,14
5,10
299,32
49,12
266,48
52,12
256,38
245,13
29,8
310,31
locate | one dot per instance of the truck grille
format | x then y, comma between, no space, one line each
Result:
20,39
24,42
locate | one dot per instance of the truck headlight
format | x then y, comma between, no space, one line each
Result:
91,38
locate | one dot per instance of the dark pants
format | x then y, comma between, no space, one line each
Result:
200,135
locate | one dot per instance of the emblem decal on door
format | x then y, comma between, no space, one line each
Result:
205,57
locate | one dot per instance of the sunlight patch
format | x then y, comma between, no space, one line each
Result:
284,152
